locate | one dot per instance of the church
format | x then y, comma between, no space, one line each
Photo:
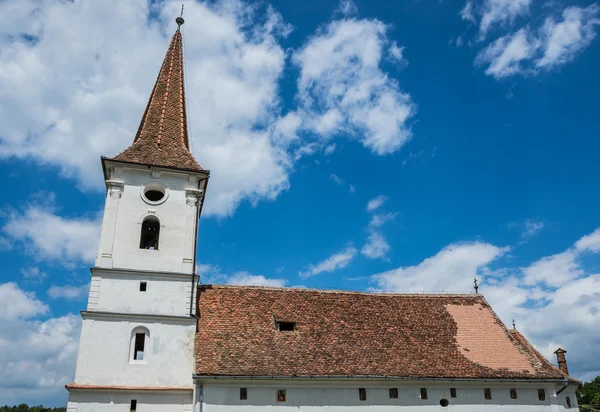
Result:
154,338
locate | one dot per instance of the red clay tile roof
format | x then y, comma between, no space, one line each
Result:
358,334
162,138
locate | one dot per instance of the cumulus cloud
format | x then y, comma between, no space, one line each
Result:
529,51
334,262
38,356
377,245
47,236
348,91
33,273
451,269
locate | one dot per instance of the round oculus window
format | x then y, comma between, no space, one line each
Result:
154,193
444,402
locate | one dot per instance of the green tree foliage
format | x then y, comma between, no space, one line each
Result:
588,396
24,408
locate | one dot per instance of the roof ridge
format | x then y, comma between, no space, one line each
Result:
341,291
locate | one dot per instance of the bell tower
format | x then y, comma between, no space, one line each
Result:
137,339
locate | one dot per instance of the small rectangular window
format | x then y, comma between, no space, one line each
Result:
423,393
243,394
393,393
281,395
513,393
133,405
453,392
362,394
542,394
143,286
138,347
286,326
487,392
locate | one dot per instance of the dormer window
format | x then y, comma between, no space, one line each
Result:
150,234
286,326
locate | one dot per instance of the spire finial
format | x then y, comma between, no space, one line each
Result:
476,287
179,20
514,327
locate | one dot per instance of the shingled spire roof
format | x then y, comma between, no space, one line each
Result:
162,138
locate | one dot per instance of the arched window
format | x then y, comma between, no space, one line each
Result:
150,233
569,404
140,337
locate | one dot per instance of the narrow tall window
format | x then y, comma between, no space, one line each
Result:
281,395
133,405
393,393
138,347
423,393
513,393
243,394
149,235
542,394
362,394
569,404
487,392
453,392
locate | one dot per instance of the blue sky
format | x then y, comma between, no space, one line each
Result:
394,146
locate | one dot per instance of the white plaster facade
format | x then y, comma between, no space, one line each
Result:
317,396
108,377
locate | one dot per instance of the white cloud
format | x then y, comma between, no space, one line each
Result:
214,274
69,292
528,51
245,278
451,269
376,246
563,40
337,261
336,179
376,203
555,270
352,189
589,242
501,11
347,7
348,91
378,220
531,228
466,13
329,149
47,236
17,304
506,54
38,356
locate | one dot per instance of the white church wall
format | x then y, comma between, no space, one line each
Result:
330,398
125,212
103,401
106,353
116,291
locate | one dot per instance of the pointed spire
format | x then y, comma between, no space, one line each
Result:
162,138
